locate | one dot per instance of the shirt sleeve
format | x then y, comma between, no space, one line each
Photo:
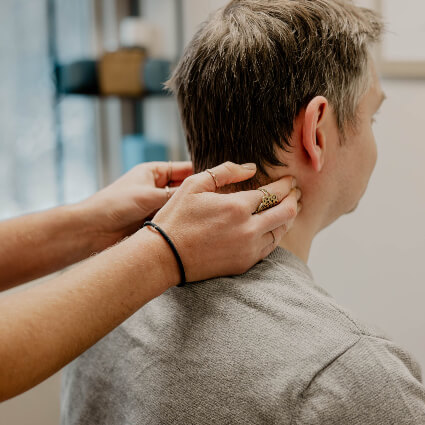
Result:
373,382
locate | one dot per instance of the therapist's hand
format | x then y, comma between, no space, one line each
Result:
217,234
120,209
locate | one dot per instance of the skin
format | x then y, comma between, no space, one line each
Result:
47,326
66,235
332,173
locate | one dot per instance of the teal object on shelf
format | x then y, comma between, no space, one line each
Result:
136,149
79,77
155,73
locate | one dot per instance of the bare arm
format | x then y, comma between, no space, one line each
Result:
39,244
45,327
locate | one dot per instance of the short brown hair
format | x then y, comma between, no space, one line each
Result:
255,64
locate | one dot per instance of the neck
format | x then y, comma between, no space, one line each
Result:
299,238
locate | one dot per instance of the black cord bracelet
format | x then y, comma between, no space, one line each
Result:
173,248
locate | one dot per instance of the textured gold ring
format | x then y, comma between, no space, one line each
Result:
214,177
268,201
167,191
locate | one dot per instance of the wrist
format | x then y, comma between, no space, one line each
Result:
90,227
158,251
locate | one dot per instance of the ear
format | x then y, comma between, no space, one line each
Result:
314,136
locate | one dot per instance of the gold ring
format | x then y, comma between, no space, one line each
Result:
214,177
167,191
267,202
169,171
274,239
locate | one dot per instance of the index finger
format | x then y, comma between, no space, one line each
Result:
222,175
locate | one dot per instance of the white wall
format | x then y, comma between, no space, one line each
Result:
39,406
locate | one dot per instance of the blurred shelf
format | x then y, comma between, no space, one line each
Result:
88,77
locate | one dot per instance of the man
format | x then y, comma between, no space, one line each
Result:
290,85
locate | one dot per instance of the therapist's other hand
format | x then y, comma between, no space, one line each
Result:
120,209
217,234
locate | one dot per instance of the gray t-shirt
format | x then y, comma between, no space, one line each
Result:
266,347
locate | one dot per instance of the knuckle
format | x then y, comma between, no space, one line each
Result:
278,233
238,209
289,225
246,237
291,208
281,232
291,211
228,165
245,209
189,181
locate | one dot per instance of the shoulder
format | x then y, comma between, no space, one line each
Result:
372,382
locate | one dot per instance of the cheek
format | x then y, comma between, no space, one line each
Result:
372,151
366,154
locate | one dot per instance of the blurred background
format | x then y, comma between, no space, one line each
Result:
73,119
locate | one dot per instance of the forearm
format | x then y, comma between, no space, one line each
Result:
39,244
44,328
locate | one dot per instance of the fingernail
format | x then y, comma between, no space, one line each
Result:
298,193
294,182
299,206
250,166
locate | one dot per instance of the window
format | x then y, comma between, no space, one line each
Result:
47,148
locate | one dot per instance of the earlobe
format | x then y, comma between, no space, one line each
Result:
314,136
